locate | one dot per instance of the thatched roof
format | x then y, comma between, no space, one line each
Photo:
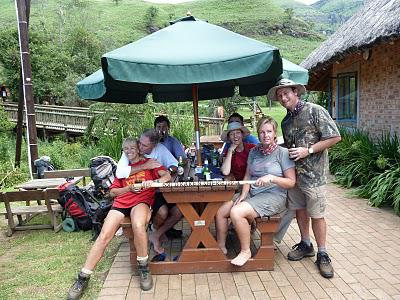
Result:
378,20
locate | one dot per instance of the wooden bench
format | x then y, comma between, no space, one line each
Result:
68,173
263,256
25,213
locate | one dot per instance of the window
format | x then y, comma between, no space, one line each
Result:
347,97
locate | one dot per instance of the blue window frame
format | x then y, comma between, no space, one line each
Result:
347,100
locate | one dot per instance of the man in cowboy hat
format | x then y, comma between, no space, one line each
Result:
308,131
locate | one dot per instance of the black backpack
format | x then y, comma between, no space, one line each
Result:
83,208
102,172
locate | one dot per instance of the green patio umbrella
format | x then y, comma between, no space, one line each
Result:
294,72
188,60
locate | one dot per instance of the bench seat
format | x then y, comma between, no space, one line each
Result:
262,250
26,212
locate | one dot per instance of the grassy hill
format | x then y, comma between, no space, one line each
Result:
326,15
117,25
68,37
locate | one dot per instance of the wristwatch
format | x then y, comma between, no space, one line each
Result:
310,150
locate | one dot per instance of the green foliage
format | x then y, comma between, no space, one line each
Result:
68,155
150,19
118,121
353,159
371,166
9,175
5,124
55,68
384,189
320,98
288,16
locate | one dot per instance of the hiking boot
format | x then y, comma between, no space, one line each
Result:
146,281
76,290
300,251
173,233
324,265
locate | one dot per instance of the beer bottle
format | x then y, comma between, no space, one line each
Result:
206,171
181,168
214,158
193,156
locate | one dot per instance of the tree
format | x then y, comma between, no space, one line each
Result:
55,68
150,19
288,17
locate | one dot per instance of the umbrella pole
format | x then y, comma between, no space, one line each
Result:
195,95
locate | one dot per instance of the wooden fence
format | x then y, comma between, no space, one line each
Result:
74,120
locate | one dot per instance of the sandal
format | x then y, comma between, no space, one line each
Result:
159,257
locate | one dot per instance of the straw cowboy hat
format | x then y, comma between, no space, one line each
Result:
283,83
234,126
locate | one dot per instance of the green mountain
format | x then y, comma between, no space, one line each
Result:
68,37
116,25
325,15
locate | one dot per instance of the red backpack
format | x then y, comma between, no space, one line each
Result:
75,205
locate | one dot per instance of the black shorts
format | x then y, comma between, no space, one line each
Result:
159,201
125,211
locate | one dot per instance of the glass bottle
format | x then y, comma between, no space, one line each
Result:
181,168
214,158
206,171
193,156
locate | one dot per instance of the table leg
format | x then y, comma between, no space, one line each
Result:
200,234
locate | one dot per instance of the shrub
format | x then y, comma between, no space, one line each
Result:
352,160
372,167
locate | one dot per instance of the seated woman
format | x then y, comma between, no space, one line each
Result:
131,202
235,163
269,165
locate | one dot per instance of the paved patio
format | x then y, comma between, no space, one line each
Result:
364,244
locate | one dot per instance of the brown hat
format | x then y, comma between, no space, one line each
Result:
234,126
283,83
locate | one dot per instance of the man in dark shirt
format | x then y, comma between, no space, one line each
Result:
308,132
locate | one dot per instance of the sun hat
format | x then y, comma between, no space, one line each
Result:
234,126
283,83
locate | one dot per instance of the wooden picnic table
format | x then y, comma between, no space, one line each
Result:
36,184
201,252
212,139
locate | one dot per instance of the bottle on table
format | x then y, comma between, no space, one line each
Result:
181,168
193,156
206,170
215,158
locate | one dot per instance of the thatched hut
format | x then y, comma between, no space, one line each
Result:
359,65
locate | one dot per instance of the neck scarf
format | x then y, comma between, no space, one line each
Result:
297,109
267,150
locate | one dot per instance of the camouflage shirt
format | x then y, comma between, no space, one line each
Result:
305,128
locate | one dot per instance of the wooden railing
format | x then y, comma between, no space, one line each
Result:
76,119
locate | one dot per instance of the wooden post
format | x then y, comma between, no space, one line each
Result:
195,96
254,112
20,117
22,8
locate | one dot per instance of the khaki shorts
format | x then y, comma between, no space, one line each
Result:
313,199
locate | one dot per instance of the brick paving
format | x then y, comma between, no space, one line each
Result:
364,244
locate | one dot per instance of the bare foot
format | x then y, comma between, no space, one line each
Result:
156,243
223,249
241,259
